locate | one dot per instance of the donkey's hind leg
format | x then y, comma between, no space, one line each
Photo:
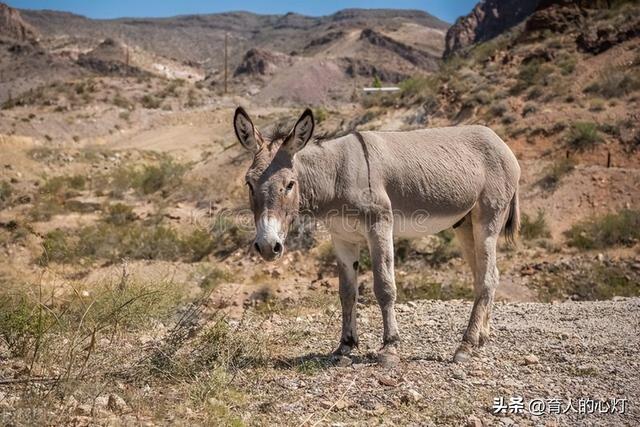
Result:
485,236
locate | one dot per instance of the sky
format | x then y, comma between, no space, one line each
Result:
447,10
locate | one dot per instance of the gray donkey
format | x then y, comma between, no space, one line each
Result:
369,187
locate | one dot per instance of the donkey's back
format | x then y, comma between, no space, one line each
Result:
443,172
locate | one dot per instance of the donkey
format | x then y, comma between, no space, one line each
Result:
370,187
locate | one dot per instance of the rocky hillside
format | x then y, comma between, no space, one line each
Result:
490,18
12,25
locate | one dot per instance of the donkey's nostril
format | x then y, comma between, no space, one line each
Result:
257,246
277,248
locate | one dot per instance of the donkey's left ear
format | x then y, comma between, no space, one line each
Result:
301,132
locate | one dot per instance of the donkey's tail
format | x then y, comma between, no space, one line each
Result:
512,226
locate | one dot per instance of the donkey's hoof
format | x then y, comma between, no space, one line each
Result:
463,354
343,350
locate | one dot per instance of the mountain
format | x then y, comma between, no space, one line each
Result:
200,38
12,25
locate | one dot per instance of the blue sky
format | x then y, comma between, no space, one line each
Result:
447,10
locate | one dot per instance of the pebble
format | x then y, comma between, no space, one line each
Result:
459,375
474,421
531,359
411,396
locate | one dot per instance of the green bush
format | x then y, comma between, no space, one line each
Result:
583,136
601,232
534,228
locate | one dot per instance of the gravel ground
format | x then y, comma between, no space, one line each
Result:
578,352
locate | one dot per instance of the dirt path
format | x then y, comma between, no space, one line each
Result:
569,351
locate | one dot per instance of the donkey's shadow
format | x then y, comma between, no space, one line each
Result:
319,360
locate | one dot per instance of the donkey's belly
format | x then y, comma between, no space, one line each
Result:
421,224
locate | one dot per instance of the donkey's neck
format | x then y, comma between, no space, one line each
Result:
316,170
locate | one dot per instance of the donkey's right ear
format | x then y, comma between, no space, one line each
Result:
247,134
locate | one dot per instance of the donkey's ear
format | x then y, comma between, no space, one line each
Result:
245,131
301,133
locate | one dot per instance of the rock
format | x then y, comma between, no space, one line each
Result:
411,396
341,404
388,381
506,421
531,359
83,410
412,304
459,375
116,404
474,421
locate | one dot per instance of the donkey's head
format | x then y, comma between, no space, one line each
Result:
272,180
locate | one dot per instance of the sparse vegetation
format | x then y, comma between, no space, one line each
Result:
554,173
583,136
615,83
622,228
534,228
6,190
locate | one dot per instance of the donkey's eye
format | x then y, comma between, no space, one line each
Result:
290,185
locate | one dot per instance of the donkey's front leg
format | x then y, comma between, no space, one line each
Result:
380,241
347,255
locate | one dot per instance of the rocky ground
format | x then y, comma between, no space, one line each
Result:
576,352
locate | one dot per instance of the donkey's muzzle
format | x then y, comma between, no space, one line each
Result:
268,249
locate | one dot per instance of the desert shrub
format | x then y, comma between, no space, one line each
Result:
6,190
444,250
119,214
508,119
147,180
21,323
482,97
32,324
534,72
420,89
583,136
107,241
159,177
615,83
528,109
122,102
622,228
534,228
597,105
423,287
567,64
320,115
214,276
229,233
150,102
53,197
58,185
554,173
498,109
534,93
